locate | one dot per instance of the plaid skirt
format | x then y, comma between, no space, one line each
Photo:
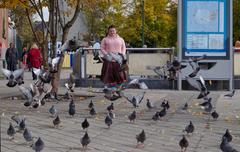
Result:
112,74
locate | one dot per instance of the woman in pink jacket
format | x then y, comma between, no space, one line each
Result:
111,74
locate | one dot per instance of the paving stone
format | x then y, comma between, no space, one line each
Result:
162,136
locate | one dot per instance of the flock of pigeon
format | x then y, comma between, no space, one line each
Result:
37,93
35,96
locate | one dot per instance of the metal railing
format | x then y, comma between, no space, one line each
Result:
83,51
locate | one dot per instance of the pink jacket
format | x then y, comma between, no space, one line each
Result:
113,44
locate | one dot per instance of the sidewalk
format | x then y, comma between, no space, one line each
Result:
162,136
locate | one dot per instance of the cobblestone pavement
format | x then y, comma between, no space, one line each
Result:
162,136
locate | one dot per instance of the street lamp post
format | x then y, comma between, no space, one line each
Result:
143,41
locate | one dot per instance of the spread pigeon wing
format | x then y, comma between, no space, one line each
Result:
194,65
37,71
202,80
6,72
143,85
18,73
134,81
55,60
140,97
194,83
67,86
128,97
26,92
117,57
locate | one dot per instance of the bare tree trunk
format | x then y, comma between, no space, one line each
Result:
66,28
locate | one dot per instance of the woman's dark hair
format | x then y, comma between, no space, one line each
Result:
111,26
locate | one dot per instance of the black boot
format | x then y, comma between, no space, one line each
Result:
56,96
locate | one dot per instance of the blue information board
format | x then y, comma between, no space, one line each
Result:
205,27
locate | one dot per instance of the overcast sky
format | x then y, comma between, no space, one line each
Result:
45,15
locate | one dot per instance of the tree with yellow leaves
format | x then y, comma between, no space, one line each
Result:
30,7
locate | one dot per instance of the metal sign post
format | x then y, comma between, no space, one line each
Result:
205,28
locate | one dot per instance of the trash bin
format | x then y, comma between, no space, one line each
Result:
76,65
71,59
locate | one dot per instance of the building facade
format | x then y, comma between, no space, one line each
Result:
3,32
79,28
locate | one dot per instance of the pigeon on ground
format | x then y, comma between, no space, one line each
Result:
12,76
215,115
56,121
110,107
85,140
163,112
53,111
90,105
27,135
132,116
208,108
141,138
135,100
228,136
189,128
108,121
85,124
226,147
17,119
71,109
165,104
111,114
185,107
156,116
230,94
38,145
92,112
22,125
11,131
149,104
183,143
